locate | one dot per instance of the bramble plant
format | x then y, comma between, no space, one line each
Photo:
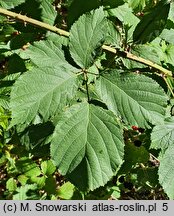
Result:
86,92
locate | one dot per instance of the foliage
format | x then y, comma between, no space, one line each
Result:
89,115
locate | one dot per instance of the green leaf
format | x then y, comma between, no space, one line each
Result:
162,136
7,4
146,177
48,11
93,71
135,154
147,52
16,64
21,40
57,39
88,137
45,54
45,8
3,160
24,192
66,191
50,185
166,173
11,185
39,180
42,90
125,15
113,3
4,101
138,5
116,194
135,98
113,37
4,118
152,23
169,55
48,167
36,135
171,12
86,36
22,179
28,167
168,35
79,7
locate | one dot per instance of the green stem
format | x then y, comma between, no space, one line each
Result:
56,30
169,86
86,84
138,59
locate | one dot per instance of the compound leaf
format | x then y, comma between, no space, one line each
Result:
137,99
41,90
86,35
90,137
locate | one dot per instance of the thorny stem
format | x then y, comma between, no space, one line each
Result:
56,30
34,22
138,59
